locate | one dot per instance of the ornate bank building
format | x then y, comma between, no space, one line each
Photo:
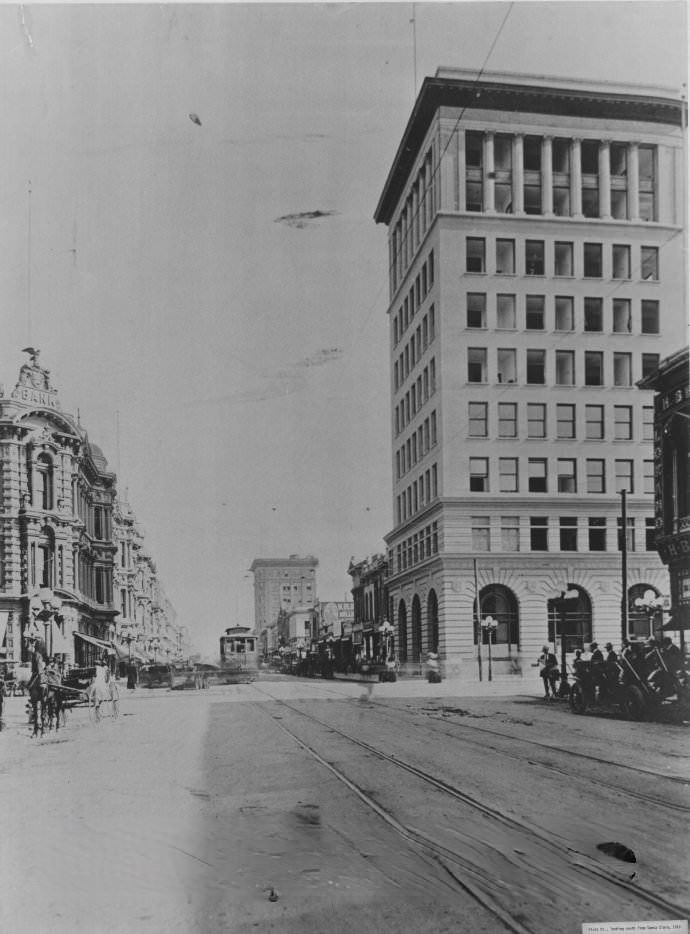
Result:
56,539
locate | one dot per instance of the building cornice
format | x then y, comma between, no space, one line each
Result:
520,94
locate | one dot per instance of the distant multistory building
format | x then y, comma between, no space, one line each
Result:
536,274
282,584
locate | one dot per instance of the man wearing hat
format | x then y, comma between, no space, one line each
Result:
611,669
597,668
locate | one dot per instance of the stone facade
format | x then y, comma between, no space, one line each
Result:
536,275
56,538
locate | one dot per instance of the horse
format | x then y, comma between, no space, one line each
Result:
54,700
37,700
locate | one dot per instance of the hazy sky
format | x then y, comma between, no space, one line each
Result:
246,355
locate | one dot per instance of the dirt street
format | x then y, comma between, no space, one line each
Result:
321,807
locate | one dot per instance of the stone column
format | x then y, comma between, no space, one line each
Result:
605,179
576,178
518,175
546,177
461,169
633,182
488,183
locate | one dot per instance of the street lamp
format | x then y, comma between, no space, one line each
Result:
489,625
386,632
652,606
49,613
560,602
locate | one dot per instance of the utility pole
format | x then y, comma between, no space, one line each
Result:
477,621
624,566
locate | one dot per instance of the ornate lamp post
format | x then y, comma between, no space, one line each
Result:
489,625
560,603
386,632
653,606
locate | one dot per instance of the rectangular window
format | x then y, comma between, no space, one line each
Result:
568,533
618,161
480,533
476,310
476,258
476,364
622,369
532,175
597,534
593,265
647,476
647,422
560,164
478,419
532,196
503,197
596,476
649,535
594,422
506,365
479,474
505,257
621,261
508,474
474,150
624,476
650,317
630,536
510,533
565,367
565,421
505,311
649,269
622,422
536,367
622,316
563,258
507,419
539,533
650,364
647,182
567,475
565,316
536,475
473,195
534,312
594,314
536,420
594,368
534,257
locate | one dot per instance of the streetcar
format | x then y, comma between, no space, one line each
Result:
238,656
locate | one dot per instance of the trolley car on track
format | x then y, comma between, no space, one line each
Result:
238,656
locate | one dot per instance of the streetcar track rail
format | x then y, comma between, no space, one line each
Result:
579,861
549,766
678,779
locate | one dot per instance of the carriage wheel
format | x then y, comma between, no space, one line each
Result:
634,706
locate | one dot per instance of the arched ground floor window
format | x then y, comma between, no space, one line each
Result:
402,631
572,618
500,603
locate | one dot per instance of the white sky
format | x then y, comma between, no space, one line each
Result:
162,288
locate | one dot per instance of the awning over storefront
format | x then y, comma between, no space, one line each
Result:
97,642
